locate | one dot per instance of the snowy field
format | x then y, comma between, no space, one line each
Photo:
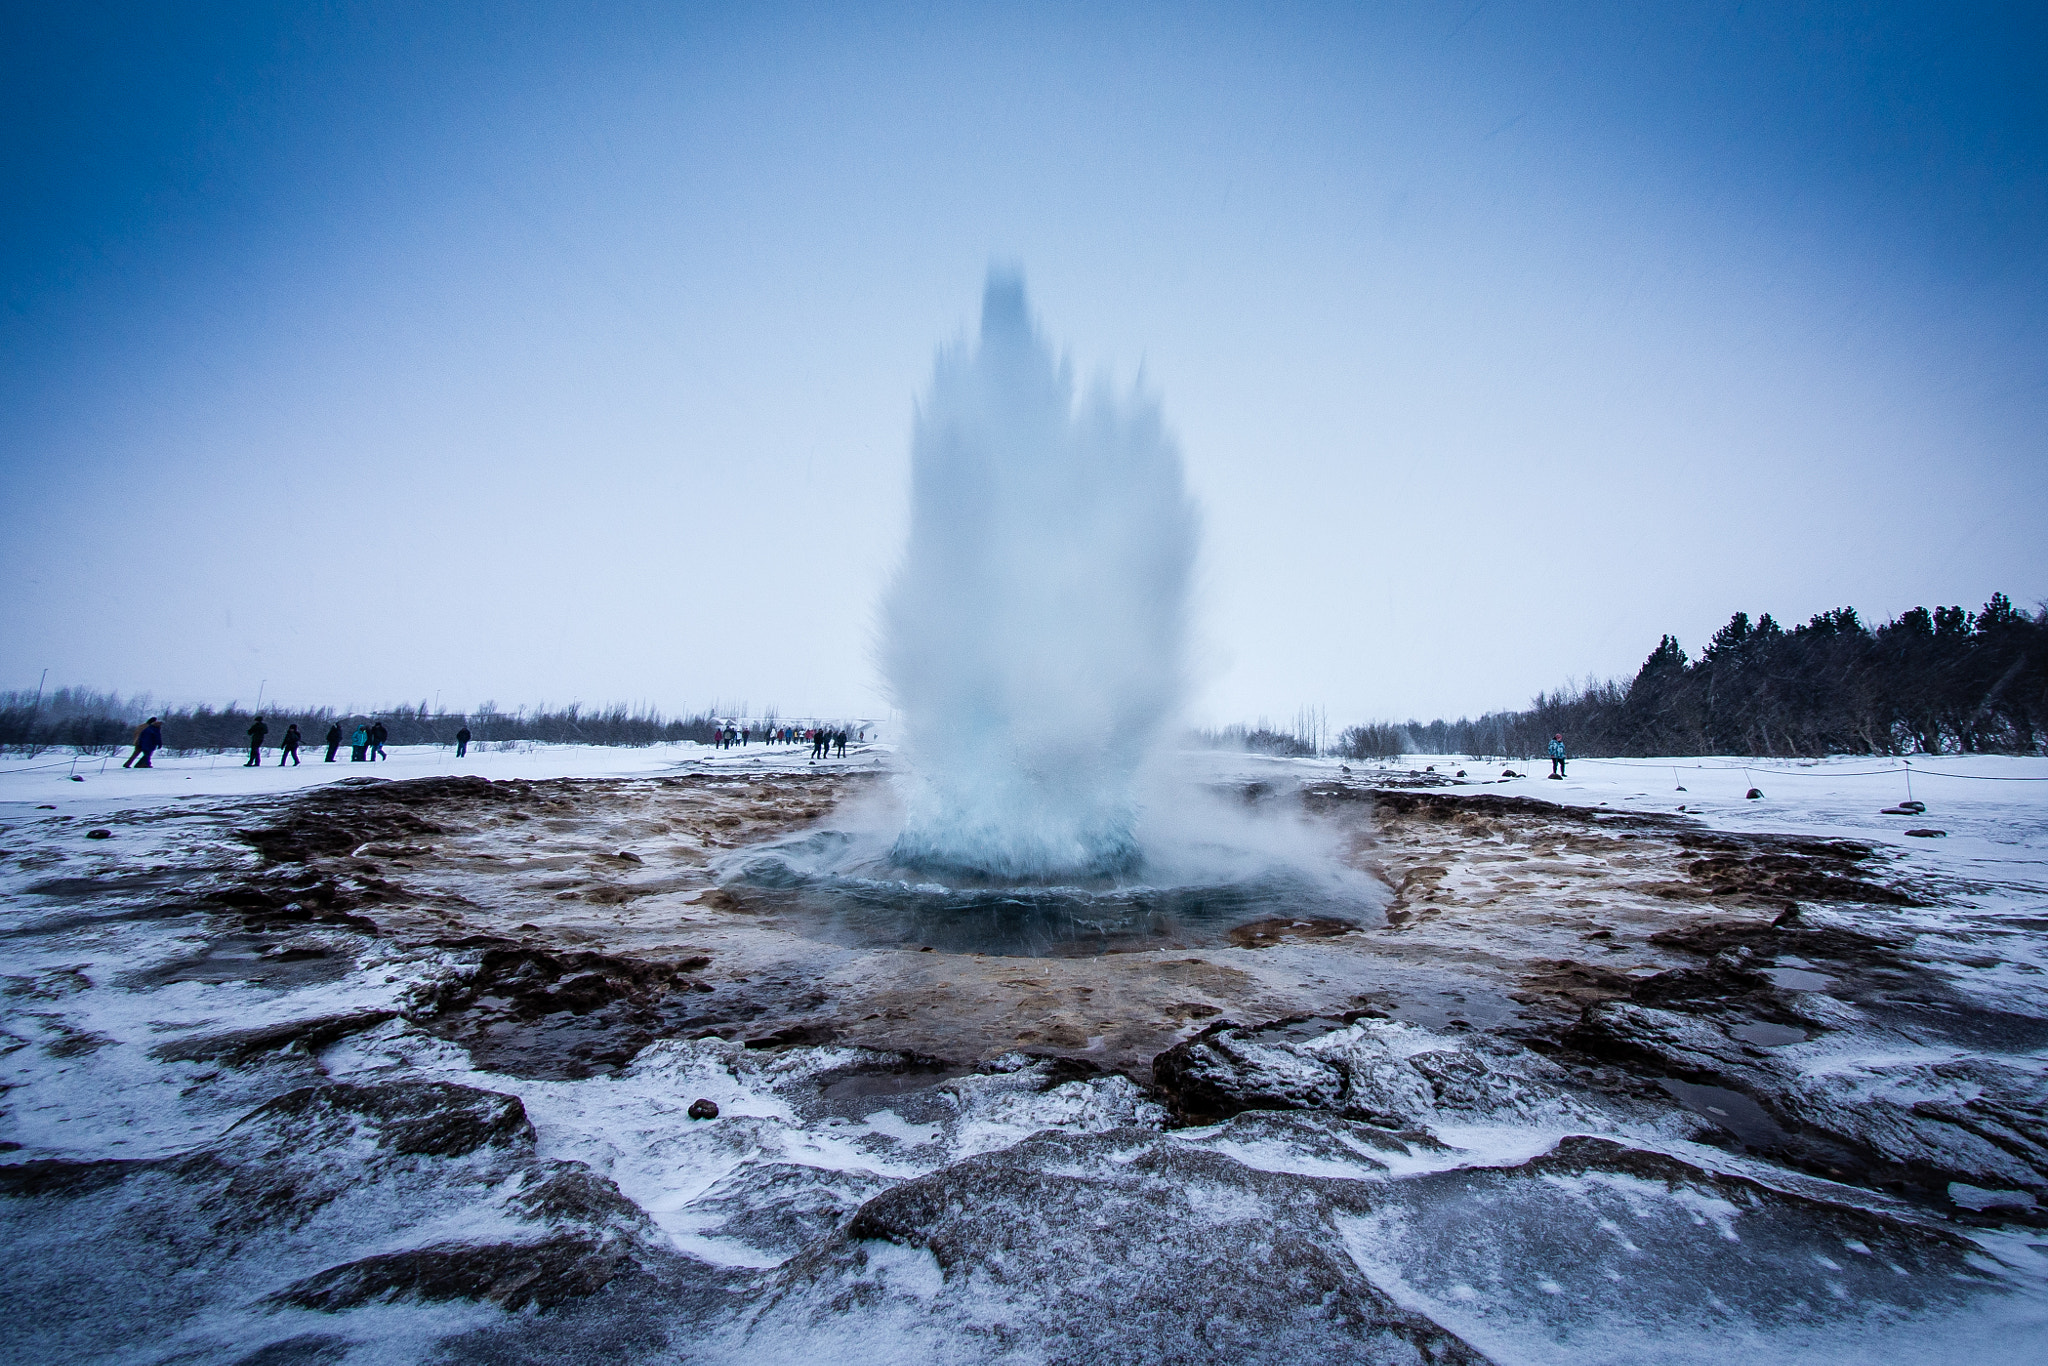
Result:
398,1072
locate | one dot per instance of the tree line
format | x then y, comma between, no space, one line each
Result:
1945,681
101,722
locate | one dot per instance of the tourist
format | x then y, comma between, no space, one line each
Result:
359,744
378,735
333,740
148,737
1557,755
256,734
462,742
291,745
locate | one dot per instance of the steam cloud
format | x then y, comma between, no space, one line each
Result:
1035,637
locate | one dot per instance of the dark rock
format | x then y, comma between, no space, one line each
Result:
1753,794
428,1118
780,1208
55,1176
99,834
1928,834
701,1108
533,1013
798,1034
307,1349
243,1045
1637,1244
1124,1247
576,1194
1264,934
511,1275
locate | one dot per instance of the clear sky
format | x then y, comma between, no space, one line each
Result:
373,352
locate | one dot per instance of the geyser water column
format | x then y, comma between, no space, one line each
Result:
1034,638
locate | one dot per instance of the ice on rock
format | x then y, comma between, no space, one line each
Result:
1598,1252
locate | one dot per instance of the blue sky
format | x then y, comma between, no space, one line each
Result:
370,352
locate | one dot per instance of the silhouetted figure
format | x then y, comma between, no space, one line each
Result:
839,738
462,742
291,745
359,744
256,734
1557,755
333,740
378,735
148,737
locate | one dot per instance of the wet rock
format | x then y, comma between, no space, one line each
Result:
427,1118
532,1013
311,1200
306,1349
512,1275
1378,1071
701,1108
1900,1119
58,1177
1596,1241
1264,934
780,1208
244,1045
1574,983
1786,870
1114,1247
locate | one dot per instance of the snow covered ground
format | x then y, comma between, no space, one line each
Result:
48,776
402,1072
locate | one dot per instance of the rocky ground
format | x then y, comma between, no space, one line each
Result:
405,1071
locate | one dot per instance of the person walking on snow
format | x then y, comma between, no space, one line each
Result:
291,745
1557,755
378,735
148,736
462,742
333,740
358,744
256,734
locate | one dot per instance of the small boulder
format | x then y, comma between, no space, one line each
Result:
703,1109
1928,834
1753,794
99,834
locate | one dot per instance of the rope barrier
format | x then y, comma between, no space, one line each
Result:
1764,766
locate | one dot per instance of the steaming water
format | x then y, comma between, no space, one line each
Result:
1035,636
845,886
1216,855
1035,642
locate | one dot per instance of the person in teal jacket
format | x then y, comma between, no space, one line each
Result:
1557,756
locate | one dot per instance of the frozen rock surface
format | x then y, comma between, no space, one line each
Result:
404,1073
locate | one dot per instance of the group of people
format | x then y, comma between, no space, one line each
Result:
824,741
366,741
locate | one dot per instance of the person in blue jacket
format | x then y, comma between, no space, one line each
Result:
149,737
1557,756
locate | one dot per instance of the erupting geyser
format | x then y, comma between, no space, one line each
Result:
1035,636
